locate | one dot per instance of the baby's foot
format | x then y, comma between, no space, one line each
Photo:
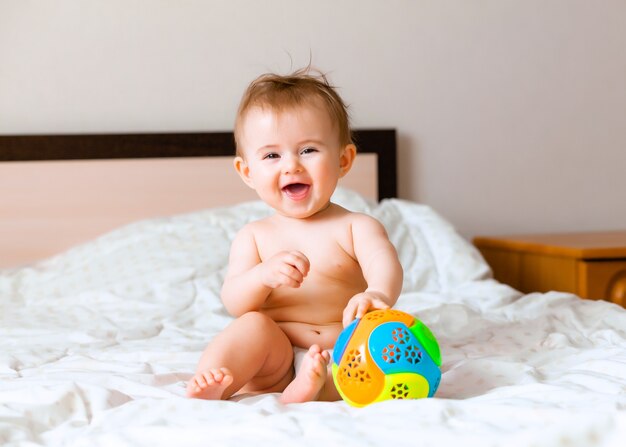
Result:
310,379
209,384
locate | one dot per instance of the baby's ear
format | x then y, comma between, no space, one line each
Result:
243,170
346,158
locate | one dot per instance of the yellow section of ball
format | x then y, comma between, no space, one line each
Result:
404,386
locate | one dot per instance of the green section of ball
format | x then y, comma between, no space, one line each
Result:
428,340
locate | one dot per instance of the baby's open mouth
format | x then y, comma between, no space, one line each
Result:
296,191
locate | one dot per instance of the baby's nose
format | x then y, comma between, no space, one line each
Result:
291,165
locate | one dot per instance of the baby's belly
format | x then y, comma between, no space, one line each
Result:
312,314
304,335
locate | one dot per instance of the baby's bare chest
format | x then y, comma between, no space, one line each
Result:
333,268
328,254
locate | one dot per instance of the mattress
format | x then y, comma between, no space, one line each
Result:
97,343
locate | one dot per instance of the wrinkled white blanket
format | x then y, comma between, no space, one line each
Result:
96,345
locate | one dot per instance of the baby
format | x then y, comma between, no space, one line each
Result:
296,278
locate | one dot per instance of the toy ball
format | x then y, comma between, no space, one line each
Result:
387,354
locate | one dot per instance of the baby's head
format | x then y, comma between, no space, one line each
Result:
293,142
302,89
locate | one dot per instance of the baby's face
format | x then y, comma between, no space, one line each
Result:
293,159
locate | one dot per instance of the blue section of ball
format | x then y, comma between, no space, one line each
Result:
343,339
395,349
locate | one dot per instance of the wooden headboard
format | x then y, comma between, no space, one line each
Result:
57,191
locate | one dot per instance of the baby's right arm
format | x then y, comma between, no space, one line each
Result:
249,281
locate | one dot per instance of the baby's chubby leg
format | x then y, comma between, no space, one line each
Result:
252,354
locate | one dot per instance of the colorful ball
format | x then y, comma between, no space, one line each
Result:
387,354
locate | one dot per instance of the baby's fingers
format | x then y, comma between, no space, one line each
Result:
357,308
299,262
349,313
289,276
377,303
362,308
366,305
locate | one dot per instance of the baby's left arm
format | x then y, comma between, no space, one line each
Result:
380,265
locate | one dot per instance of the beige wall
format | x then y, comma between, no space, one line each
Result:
511,114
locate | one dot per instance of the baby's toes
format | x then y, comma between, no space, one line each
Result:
208,379
227,378
326,356
319,366
197,383
314,350
217,375
200,381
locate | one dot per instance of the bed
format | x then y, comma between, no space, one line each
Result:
113,250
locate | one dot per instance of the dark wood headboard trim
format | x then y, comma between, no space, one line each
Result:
381,142
112,146
189,144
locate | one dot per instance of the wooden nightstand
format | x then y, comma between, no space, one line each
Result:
591,265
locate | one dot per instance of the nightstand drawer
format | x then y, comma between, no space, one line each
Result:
591,265
603,280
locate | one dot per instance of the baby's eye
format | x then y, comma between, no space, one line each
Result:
308,150
271,156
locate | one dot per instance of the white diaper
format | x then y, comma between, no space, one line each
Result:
298,357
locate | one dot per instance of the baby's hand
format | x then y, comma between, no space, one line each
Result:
359,304
286,268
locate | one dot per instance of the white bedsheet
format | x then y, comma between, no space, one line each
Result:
96,345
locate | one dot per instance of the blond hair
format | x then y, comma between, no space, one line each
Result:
302,87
